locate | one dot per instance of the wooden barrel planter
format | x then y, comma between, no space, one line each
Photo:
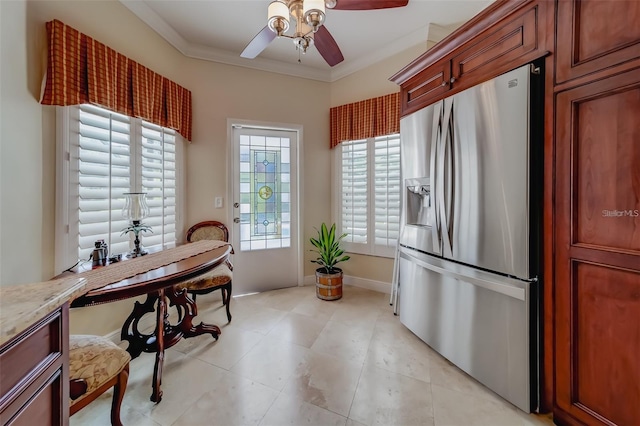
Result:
329,286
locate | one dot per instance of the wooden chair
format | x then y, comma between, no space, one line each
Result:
219,278
96,365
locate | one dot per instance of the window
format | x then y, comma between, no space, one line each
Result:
103,155
368,194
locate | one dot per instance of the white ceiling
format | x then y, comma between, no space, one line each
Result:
219,30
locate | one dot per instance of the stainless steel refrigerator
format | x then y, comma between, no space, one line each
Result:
469,252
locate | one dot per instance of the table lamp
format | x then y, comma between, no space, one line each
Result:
135,209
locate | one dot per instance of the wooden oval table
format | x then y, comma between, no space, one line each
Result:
159,285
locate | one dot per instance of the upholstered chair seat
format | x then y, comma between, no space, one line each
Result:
220,277
95,365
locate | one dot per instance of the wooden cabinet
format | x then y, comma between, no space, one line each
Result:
34,377
426,87
506,42
497,49
594,35
591,183
597,273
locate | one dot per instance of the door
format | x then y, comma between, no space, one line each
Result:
597,281
486,219
264,206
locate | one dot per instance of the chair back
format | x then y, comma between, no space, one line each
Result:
208,230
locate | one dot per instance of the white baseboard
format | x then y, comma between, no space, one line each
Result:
374,285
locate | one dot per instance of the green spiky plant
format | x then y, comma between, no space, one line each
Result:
328,248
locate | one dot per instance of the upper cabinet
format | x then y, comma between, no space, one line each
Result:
596,35
500,39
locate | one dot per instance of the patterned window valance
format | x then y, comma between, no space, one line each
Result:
365,119
83,70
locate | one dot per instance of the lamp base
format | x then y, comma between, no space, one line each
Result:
136,253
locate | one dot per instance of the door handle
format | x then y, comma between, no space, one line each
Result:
236,220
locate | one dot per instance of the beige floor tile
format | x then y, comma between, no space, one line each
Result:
271,362
232,345
98,413
232,400
313,307
288,357
344,341
452,408
399,353
283,299
289,410
325,381
260,319
184,380
299,329
386,398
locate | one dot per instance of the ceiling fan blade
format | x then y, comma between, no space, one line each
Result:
369,4
258,43
327,46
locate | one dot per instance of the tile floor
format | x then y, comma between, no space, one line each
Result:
288,358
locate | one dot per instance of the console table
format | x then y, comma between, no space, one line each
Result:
145,277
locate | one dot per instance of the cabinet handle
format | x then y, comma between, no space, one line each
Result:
444,83
452,80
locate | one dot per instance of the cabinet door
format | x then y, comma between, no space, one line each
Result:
597,285
425,87
501,48
594,35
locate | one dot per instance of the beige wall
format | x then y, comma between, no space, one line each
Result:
27,133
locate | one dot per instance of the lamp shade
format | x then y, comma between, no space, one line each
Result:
278,17
313,12
135,206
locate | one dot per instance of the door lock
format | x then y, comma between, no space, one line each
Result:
236,220
236,205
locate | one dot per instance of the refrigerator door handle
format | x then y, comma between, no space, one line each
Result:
509,286
435,142
445,180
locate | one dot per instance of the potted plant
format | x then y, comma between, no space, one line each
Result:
328,277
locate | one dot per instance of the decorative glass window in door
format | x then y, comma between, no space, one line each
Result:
265,218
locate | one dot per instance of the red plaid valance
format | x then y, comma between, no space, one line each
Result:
83,70
365,119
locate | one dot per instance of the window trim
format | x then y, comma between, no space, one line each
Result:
370,248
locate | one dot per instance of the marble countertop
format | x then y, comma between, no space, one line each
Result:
22,305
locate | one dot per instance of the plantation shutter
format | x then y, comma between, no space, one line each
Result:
386,191
104,162
354,191
158,177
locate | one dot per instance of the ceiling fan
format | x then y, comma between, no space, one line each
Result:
309,27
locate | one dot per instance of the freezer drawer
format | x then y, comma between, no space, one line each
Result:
477,320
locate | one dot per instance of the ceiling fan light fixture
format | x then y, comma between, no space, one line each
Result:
278,17
314,13
330,4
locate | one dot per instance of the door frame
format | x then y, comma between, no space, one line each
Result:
255,124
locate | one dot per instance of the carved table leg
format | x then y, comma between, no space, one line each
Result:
185,327
156,396
138,341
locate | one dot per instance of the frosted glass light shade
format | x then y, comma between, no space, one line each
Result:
135,206
278,17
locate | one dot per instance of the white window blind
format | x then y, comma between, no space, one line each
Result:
354,191
104,175
158,174
108,154
386,191
369,194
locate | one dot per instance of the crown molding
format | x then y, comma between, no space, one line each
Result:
155,22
